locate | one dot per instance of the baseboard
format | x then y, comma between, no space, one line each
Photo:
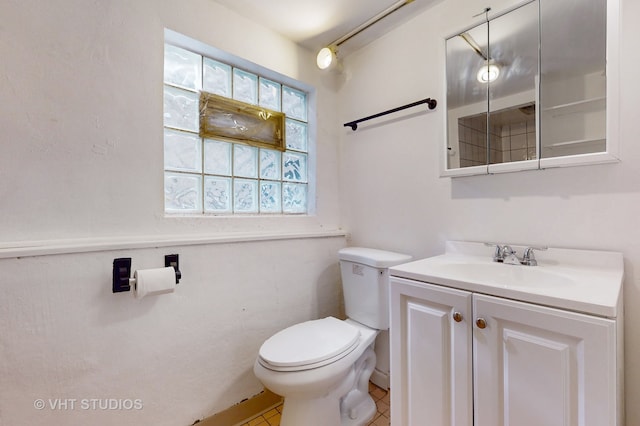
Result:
239,413
380,379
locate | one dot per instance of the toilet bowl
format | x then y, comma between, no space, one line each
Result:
321,379
322,367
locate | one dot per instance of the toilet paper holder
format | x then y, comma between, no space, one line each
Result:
122,271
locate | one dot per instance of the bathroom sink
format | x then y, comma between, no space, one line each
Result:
502,275
586,281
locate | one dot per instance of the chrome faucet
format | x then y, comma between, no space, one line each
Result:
497,255
509,256
506,254
528,257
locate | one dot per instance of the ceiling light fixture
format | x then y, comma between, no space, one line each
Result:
488,73
327,56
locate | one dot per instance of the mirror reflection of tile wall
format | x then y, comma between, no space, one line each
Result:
472,134
519,141
512,136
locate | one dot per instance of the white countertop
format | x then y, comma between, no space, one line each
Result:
585,281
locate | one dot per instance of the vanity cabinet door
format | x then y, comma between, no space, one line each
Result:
542,366
430,355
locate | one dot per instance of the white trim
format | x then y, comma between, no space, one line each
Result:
482,19
613,78
513,166
465,171
85,245
578,160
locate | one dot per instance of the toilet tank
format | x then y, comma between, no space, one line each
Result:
365,284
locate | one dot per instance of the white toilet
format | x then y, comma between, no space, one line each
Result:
322,367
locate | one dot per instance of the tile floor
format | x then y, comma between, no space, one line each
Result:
381,398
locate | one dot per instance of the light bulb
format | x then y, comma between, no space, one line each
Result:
326,58
488,73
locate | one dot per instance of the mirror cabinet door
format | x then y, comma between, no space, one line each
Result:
513,50
491,94
467,102
528,89
573,84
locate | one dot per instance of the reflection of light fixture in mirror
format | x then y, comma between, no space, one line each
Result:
488,73
327,58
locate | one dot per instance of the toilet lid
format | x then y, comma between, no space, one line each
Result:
309,342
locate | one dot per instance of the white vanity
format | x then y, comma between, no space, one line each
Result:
482,343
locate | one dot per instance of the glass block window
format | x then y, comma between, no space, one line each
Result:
224,177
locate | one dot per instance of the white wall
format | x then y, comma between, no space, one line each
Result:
393,197
185,355
82,85
81,162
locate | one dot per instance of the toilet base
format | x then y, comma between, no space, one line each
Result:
357,406
325,412
318,412
363,412
348,405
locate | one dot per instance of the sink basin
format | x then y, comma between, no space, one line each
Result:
585,281
499,274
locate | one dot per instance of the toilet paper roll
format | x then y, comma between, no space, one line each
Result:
151,282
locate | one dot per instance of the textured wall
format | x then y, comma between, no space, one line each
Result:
184,355
81,120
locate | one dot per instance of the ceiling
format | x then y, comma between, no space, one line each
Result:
316,23
576,38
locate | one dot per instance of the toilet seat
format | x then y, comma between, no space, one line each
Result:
308,345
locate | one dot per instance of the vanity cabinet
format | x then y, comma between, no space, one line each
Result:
431,357
460,358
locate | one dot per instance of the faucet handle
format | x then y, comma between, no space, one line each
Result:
528,258
498,255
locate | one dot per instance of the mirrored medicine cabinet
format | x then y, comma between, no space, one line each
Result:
527,88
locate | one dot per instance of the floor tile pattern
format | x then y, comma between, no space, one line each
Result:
381,418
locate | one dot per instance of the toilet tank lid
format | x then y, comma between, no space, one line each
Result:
372,257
